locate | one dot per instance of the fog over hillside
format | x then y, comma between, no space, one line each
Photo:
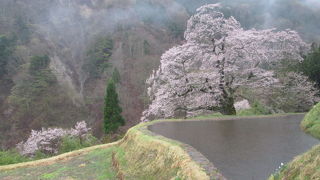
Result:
140,30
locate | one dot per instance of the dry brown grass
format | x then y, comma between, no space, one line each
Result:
151,157
116,166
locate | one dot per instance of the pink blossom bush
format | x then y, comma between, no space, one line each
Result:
80,129
242,105
48,140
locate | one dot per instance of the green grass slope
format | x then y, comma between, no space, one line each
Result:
303,167
139,155
96,164
307,165
311,122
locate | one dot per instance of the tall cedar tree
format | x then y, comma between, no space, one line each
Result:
116,76
112,109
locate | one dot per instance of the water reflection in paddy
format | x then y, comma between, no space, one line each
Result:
243,149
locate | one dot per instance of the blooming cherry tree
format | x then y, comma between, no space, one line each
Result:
218,57
47,140
294,92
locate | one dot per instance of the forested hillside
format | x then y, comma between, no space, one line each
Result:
57,55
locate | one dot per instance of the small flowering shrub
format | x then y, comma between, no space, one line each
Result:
48,141
242,105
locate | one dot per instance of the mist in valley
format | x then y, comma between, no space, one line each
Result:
141,31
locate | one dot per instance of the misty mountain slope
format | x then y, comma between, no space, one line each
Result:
140,31
66,32
136,53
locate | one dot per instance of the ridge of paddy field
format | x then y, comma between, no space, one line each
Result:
141,154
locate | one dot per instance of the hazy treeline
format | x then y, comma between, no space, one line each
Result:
140,32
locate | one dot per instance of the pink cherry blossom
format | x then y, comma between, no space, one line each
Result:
217,58
47,140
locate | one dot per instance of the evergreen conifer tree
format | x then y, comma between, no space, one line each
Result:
116,75
112,109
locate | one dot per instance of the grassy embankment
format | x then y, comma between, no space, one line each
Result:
139,155
88,163
311,122
307,165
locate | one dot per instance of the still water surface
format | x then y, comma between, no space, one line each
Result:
243,149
